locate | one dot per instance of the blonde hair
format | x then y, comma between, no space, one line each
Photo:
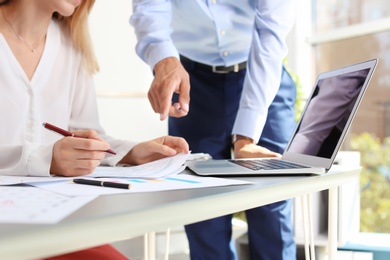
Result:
77,24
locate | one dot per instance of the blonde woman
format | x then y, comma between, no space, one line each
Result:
46,68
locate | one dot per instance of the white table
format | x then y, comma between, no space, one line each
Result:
118,217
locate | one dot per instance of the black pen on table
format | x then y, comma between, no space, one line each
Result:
109,184
67,133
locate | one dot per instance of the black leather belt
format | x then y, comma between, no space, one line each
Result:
216,69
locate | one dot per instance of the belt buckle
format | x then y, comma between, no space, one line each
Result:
215,70
236,68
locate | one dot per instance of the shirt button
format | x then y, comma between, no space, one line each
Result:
225,53
223,32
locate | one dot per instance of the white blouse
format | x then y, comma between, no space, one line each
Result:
60,92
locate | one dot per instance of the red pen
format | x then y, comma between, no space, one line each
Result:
66,133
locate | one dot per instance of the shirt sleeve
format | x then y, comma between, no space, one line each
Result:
28,159
151,21
273,20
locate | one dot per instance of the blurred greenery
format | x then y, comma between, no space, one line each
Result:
374,182
300,94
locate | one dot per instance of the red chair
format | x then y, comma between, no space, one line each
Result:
105,252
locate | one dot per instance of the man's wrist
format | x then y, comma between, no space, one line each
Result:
236,138
162,64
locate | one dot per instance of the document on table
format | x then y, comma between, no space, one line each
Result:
156,169
140,184
31,205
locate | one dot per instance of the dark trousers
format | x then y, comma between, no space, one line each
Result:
207,128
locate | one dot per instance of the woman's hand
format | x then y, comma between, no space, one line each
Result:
156,149
74,156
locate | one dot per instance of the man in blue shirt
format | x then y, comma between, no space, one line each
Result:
230,52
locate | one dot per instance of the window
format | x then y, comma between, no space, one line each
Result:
346,32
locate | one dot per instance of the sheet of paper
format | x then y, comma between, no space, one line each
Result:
140,184
31,205
8,180
156,169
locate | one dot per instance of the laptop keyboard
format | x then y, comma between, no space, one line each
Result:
268,164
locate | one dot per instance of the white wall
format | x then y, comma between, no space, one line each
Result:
299,47
124,79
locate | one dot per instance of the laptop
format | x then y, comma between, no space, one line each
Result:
324,123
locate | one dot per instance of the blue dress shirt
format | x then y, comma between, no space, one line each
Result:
221,32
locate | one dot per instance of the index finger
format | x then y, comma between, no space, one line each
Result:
89,134
90,144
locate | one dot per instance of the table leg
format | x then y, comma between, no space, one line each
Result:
167,238
150,246
311,233
332,223
304,207
308,227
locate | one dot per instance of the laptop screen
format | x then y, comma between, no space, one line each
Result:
327,113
